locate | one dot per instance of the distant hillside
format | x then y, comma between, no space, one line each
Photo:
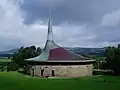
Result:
7,53
78,50
90,51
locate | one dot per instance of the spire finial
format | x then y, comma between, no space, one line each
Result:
50,34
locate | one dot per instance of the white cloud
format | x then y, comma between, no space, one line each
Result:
13,33
111,19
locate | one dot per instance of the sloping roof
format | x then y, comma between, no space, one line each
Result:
63,54
53,52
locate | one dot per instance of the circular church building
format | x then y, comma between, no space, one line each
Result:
55,61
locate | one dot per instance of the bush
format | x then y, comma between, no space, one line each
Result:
12,67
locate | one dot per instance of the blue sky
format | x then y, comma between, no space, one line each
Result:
83,23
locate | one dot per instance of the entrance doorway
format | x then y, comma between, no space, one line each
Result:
53,72
42,70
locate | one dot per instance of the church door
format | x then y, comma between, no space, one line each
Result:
53,72
42,72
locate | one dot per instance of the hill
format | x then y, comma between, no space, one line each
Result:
7,53
11,51
89,51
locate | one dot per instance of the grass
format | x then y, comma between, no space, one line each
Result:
96,57
4,59
16,81
3,63
99,58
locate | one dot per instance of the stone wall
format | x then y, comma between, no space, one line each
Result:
64,71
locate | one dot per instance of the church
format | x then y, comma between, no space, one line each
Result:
56,61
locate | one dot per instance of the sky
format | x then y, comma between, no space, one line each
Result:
76,23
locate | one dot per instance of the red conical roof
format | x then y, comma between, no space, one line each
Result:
63,54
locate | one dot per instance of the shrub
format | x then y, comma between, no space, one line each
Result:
12,67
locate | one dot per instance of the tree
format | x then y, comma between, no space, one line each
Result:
113,59
12,66
25,53
9,57
39,51
118,45
109,53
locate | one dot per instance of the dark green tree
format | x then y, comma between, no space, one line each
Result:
119,46
39,51
113,59
25,53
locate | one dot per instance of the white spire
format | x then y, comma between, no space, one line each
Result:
50,33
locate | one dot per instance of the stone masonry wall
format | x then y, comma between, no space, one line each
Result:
64,71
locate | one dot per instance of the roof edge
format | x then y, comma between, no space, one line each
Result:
65,61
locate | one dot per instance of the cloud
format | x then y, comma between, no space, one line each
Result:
62,10
72,11
111,19
14,33
75,22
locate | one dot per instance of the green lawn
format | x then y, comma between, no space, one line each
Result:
4,59
16,81
99,58
96,57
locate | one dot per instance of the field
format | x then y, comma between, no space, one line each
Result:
99,58
4,59
3,63
96,57
16,81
